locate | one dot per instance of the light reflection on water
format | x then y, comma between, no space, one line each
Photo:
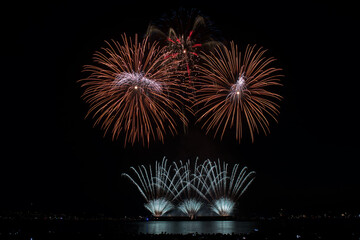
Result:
185,227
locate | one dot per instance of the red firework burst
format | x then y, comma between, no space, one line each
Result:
184,34
183,49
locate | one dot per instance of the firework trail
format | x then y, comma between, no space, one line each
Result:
236,89
132,89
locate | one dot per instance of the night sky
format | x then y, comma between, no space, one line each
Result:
54,160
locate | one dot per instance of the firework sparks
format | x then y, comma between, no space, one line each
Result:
183,49
156,186
223,206
158,207
221,190
184,34
190,199
190,207
209,181
132,89
235,89
137,80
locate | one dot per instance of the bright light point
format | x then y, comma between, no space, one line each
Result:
136,87
184,51
237,92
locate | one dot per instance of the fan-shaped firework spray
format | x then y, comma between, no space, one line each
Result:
156,185
190,201
209,181
222,190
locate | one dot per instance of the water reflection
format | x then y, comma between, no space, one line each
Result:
185,227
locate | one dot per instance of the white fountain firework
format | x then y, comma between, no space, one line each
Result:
155,187
209,181
190,200
223,206
190,207
159,206
224,191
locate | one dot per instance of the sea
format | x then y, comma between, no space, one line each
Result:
187,227
182,230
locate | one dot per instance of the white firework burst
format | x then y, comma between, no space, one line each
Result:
238,88
223,191
190,207
190,199
155,186
223,206
158,207
138,81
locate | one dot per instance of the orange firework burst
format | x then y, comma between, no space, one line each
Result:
235,89
132,90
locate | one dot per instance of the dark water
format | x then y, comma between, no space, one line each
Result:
185,227
180,230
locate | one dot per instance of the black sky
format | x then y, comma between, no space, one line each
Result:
54,159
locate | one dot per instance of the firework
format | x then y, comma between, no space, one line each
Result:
154,184
208,181
221,190
132,89
190,199
158,207
223,206
236,89
190,207
185,33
